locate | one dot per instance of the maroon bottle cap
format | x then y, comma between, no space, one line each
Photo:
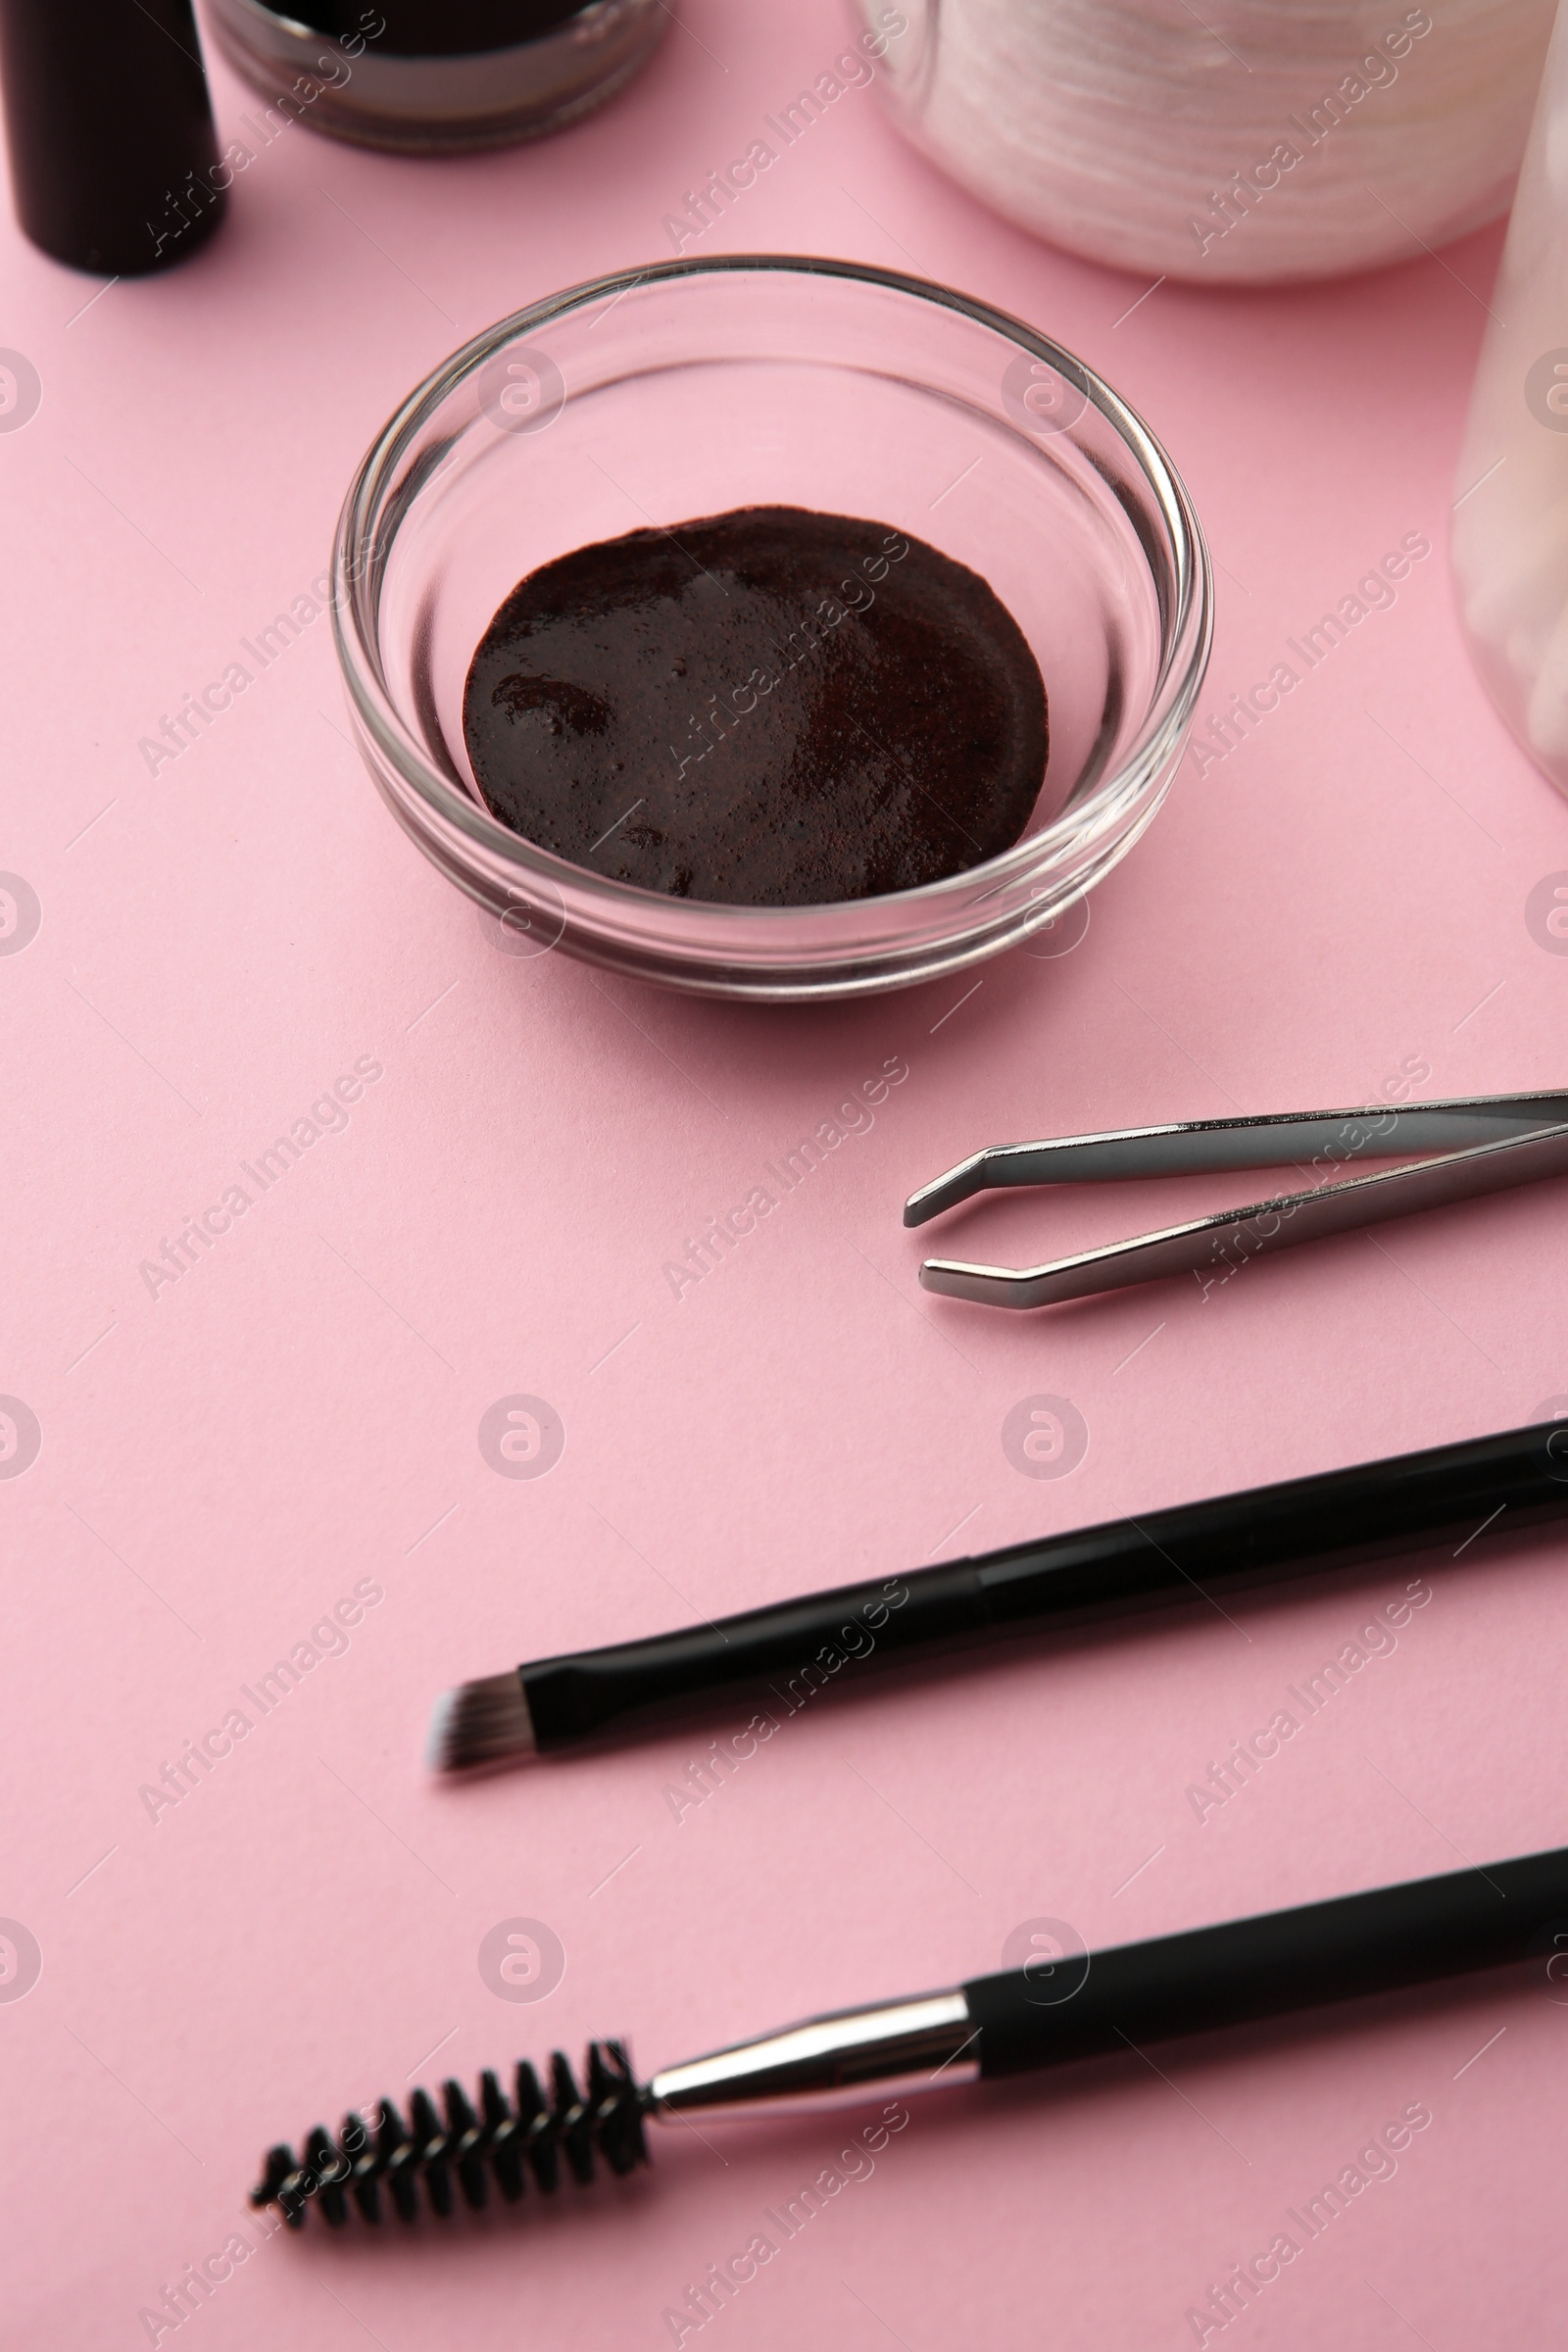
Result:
114,158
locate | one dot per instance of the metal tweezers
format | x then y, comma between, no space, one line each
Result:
1508,1140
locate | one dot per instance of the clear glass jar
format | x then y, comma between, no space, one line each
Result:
690,388
434,95
1511,520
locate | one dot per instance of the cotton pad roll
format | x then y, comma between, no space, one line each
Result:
1232,143
1511,506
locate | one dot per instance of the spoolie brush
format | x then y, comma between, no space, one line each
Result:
502,2142
1063,2004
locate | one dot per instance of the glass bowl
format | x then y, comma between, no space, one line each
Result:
659,395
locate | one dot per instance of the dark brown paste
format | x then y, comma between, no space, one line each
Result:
770,708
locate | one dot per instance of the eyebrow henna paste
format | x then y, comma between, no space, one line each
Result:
768,708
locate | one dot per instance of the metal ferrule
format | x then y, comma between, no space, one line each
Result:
838,2061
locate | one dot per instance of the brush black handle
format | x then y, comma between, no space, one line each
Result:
1139,1994
1464,1495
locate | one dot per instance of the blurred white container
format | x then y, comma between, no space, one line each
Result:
1238,142
1510,524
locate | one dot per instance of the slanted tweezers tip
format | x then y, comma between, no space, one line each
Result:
962,1183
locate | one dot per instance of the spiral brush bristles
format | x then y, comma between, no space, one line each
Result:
502,2142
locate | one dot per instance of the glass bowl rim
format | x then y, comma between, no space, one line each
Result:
1186,630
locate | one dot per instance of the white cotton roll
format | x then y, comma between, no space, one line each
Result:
1227,141
1510,523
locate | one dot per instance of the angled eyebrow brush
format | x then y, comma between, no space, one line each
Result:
1449,1495
1050,2011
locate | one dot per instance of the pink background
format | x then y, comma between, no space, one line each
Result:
222,1463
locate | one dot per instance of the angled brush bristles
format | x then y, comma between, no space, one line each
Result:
480,1724
465,2152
